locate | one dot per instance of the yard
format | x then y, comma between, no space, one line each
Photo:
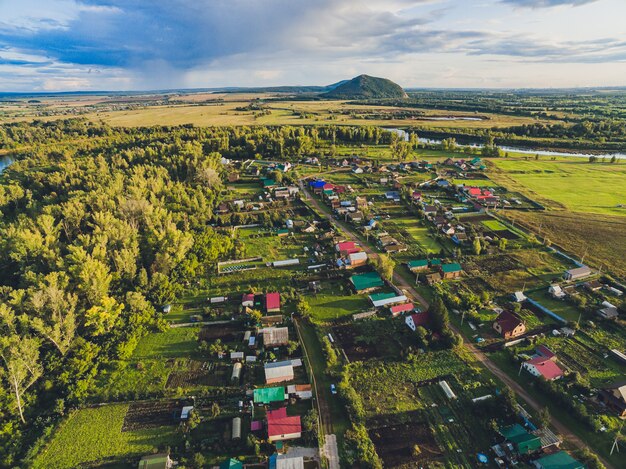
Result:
335,304
94,435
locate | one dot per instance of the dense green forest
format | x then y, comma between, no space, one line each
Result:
99,228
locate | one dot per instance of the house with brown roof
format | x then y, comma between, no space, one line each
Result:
508,325
614,397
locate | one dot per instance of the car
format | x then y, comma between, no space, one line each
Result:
333,389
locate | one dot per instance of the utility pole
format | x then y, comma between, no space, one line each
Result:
462,317
520,369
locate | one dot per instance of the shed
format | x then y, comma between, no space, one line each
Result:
236,430
284,461
278,372
236,371
184,414
236,355
231,464
578,273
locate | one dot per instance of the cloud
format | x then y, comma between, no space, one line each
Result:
176,43
546,3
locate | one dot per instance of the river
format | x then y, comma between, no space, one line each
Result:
526,151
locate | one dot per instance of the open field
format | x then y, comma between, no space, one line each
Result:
328,306
572,184
95,435
178,342
231,109
600,238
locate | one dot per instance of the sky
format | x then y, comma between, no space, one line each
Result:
71,45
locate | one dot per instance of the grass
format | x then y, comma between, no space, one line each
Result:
173,343
600,238
94,435
572,184
418,233
494,225
560,307
328,306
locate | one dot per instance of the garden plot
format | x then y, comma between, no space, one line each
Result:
496,264
354,345
405,444
196,373
224,332
152,414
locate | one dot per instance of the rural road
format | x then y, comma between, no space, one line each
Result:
399,281
199,323
330,451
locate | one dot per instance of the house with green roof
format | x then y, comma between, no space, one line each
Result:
451,270
269,395
231,464
268,183
560,460
417,265
524,442
435,262
367,281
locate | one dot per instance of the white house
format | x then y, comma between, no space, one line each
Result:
278,372
556,292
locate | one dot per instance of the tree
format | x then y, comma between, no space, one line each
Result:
255,315
194,419
439,314
544,417
302,307
102,318
21,367
215,410
477,246
386,265
502,244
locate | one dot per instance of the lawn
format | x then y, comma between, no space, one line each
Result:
560,307
330,305
418,233
94,435
173,343
572,184
494,225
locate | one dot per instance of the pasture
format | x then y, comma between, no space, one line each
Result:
570,184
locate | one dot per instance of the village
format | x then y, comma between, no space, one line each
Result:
308,329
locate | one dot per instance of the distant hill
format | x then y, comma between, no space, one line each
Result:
365,86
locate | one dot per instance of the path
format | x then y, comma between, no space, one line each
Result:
399,281
199,323
330,451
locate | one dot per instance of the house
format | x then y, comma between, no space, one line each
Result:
544,367
508,325
556,292
367,281
385,299
608,311
357,258
345,246
418,265
247,300
395,247
448,230
355,217
317,186
278,372
453,270
416,320
361,203
429,210
523,441
432,278
275,336
396,310
272,302
614,397
269,395
272,320
519,297
231,464
302,391
593,286
284,461
156,461
558,460
578,273
281,427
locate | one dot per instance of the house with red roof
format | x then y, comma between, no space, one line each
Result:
473,191
346,247
413,321
399,309
247,300
508,325
281,427
272,302
544,367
